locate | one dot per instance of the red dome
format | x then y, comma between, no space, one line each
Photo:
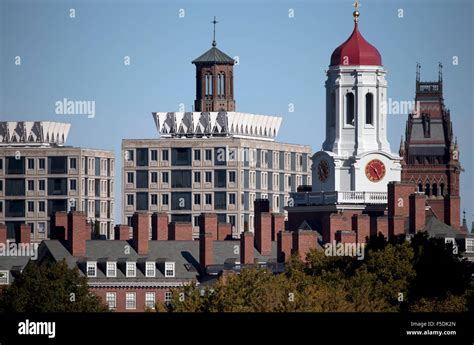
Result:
356,51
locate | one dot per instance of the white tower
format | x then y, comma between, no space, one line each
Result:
356,155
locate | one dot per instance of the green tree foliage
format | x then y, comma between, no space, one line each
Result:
392,277
49,288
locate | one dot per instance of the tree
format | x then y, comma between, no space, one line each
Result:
49,288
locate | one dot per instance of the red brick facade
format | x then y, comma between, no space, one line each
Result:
78,232
303,242
208,224
263,233
278,224
122,232
361,226
180,231
417,212
224,231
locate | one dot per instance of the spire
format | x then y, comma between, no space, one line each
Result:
418,70
214,36
356,12
464,222
401,151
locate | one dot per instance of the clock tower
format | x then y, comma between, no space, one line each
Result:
356,155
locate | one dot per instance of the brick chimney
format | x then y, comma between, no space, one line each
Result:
206,251
396,225
346,236
382,226
452,211
303,242
246,248
159,226
263,227
78,232
337,222
278,224
361,226
3,233
180,231
23,234
224,231
284,245
398,194
122,232
59,226
141,232
208,224
417,212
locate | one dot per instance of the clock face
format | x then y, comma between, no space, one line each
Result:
375,170
323,170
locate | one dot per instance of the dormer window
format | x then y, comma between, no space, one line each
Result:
111,269
91,269
131,269
150,269
4,277
169,270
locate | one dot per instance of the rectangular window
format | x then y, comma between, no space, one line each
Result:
130,199
142,201
131,269
31,206
31,163
1,186
142,157
197,155
41,206
142,179
130,178
169,269
150,269
181,156
208,155
130,155
150,300
41,226
4,275
154,155
111,300
197,199
154,199
130,300
197,176
232,176
91,269
209,176
165,155
181,179
232,198
111,269
57,165
15,166
220,202
42,185
1,164
208,199
168,296
165,177
42,163
72,184
72,163
469,245
220,178
31,185
154,177
165,199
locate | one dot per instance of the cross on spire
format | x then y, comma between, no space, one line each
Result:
214,37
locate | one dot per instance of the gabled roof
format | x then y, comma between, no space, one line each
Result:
214,56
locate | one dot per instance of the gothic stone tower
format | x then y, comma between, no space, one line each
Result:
430,152
214,80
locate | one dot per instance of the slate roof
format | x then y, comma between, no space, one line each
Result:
214,56
13,264
185,254
437,228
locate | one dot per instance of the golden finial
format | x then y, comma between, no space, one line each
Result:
356,13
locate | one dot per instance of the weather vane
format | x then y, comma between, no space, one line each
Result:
356,12
214,37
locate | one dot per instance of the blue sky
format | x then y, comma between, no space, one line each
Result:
282,61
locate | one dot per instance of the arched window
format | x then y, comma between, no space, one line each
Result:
435,189
221,85
442,191
350,109
332,110
420,187
369,109
208,84
427,189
